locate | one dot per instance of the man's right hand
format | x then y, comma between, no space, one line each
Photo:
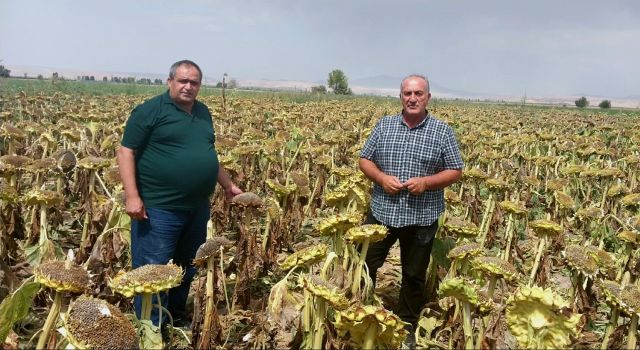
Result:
391,184
135,208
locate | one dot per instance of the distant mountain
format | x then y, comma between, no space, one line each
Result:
389,82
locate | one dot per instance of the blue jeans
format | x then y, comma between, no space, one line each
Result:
165,235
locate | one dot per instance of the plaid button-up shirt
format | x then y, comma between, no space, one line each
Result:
426,149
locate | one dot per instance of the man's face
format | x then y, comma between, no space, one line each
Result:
184,86
414,96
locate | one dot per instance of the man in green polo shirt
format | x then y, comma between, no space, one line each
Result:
169,168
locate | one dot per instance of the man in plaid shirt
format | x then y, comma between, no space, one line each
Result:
411,157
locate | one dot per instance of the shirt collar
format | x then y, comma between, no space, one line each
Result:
166,98
422,123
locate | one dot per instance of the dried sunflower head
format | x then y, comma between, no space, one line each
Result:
65,160
356,320
8,193
95,324
497,185
630,299
564,200
628,236
246,200
210,248
460,227
611,291
147,279
307,256
631,200
538,319
464,251
337,223
62,276
494,266
616,190
579,259
460,289
11,162
515,208
336,197
545,227
372,232
475,173
46,197
589,213
94,163
325,290
281,190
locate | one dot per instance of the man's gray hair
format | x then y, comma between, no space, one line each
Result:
415,76
174,67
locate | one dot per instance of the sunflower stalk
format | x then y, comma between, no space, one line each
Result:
536,262
468,330
50,323
486,218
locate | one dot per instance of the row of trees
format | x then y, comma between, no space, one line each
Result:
582,102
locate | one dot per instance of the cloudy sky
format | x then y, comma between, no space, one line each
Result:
542,47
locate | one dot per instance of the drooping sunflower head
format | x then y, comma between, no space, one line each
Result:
461,228
539,318
545,227
337,223
210,248
93,323
460,289
307,256
325,290
579,259
494,266
62,276
356,320
148,279
515,208
464,251
372,232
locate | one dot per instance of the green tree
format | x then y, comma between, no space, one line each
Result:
339,82
582,102
4,72
605,104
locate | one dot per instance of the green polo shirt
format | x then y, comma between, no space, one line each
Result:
176,161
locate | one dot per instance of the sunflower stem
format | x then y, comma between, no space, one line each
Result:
466,319
536,262
50,323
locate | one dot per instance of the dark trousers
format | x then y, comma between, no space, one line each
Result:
415,251
166,235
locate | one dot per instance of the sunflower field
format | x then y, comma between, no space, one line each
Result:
537,248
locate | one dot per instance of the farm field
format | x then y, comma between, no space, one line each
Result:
537,247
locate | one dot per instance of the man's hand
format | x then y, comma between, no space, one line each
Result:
135,208
391,184
231,191
416,185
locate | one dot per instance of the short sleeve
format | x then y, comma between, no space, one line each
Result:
451,152
137,129
369,149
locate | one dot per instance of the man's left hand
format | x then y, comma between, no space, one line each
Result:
416,185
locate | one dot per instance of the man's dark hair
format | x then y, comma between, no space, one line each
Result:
174,67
